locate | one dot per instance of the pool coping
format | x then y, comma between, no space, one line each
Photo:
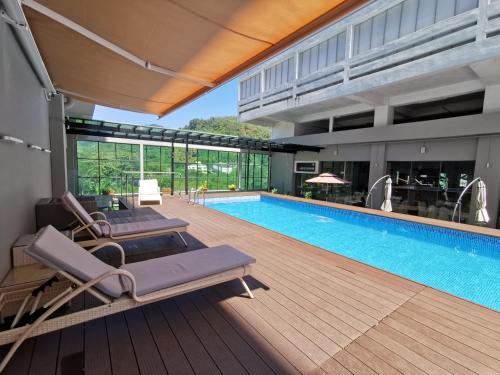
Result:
393,215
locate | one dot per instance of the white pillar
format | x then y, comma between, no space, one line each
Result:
384,115
141,160
491,102
57,134
330,124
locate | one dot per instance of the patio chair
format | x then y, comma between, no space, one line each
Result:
102,231
149,191
123,288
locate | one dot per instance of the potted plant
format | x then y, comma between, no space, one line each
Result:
204,187
107,191
166,190
274,190
308,195
232,187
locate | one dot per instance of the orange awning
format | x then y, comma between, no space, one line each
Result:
186,47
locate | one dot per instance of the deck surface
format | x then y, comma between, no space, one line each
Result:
315,312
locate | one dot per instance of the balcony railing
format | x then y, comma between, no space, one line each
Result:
392,34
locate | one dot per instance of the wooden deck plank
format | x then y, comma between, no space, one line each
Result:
220,353
374,362
353,364
477,336
297,319
173,357
454,350
273,358
245,354
287,329
198,357
293,354
121,349
146,352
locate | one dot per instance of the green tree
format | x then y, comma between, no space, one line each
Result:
228,125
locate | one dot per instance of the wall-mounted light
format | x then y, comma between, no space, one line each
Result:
487,164
34,147
10,139
423,149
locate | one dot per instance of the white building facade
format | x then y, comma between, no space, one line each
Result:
406,88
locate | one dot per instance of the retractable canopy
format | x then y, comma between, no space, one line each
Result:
155,55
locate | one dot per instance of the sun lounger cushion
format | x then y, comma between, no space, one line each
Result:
71,204
57,251
138,227
161,273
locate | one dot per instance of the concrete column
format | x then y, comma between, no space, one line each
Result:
57,134
377,170
384,115
282,176
491,101
487,167
71,164
283,129
330,124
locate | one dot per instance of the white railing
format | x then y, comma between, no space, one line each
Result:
458,31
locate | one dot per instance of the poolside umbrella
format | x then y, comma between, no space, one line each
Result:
387,205
482,216
327,179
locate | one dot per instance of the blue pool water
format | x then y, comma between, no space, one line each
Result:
464,264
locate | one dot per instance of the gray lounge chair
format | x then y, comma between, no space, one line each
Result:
101,231
123,288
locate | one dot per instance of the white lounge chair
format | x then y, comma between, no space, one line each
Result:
123,288
149,191
102,231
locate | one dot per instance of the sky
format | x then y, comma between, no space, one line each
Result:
218,102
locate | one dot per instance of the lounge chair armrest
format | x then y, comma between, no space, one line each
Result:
87,226
99,213
103,223
111,244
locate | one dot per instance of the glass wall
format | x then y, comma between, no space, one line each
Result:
157,159
101,165
254,171
353,193
431,188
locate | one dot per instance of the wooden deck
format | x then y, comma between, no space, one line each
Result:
315,312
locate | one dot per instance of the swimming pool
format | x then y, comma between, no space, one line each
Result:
461,263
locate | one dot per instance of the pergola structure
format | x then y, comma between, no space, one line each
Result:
157,133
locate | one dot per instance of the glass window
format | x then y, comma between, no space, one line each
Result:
101,165
430,189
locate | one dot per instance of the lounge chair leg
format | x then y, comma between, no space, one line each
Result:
247,289
182,238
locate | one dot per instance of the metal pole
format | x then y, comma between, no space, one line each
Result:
269,169
459,201
371,189
248,168
133,200
186,187
172,166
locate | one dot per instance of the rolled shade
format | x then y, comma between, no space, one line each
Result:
206,42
